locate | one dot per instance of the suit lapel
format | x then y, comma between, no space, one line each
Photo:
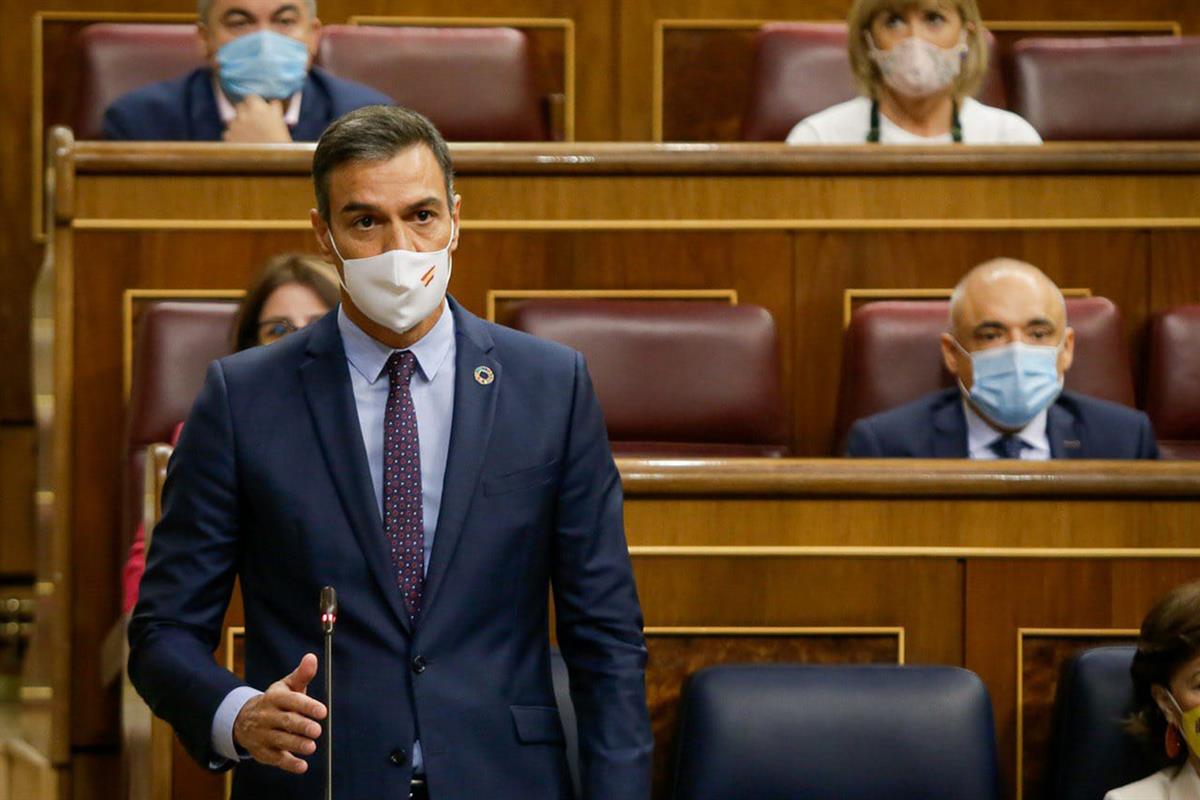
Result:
1064,432
474,411
327,389
315,110
203,116
950,429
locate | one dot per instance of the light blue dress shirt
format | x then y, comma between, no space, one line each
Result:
432,390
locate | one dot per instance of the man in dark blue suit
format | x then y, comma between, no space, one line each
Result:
1009,346
444,474
260,85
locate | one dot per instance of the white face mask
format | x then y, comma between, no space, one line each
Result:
917,68
400,288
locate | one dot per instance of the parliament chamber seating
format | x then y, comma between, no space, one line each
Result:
1173,381
1120,88
116,58
852,732
176,341
801,68
892,355
674,377
1090,750
476,84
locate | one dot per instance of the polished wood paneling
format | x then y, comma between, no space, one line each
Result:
1004,596
17,500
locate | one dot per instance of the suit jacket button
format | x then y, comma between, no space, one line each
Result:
418,664
398,757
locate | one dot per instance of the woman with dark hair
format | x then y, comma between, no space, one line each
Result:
293,290
1166,681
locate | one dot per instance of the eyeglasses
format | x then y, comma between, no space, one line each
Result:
274,329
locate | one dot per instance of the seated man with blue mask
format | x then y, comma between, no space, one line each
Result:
1009,347
260,85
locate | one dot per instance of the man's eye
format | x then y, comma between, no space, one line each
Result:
363,223
286,22
424,215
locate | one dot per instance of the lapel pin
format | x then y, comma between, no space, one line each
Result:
484,376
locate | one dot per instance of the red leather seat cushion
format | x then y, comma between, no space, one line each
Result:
1173,381
175,343
892,355
1108,88
116,58
674,377
475,84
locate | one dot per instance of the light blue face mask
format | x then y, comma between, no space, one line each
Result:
265,63
1013,384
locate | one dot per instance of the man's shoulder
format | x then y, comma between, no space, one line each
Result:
910,430
346,95
154,111
1094,411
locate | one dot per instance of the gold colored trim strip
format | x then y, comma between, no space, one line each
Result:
850,295
565,24
981,224
1060,633
897,631
148,295
839,551
493,295
37,117
661,25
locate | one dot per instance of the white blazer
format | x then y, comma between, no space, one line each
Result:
1171,783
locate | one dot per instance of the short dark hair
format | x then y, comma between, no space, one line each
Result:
281,270
375,133
1169,638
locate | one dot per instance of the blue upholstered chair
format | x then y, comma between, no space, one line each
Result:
791,732
1090,752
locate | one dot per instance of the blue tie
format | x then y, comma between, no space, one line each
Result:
1007,446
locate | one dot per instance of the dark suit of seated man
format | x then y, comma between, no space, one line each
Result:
260,85
1009,347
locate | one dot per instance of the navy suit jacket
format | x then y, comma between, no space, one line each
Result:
934,426
185,109
270,484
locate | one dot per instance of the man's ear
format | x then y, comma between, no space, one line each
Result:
204,45
321,232
1067,357
456,216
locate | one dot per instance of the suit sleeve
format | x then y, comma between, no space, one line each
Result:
861,442
1148,444
598,615
190,571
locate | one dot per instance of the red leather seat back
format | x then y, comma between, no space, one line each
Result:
175,343
892,355
116,58
475,84
674,377
1108,88
1173,381
801,68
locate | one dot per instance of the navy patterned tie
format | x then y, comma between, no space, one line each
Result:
402,515
1007,446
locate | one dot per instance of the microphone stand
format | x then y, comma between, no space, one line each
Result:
328,618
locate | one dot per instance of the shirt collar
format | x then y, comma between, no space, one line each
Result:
369,356
981,435
227,112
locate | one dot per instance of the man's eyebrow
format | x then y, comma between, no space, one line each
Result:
988,323
357,205
236,12
290,8
432,200
1040,321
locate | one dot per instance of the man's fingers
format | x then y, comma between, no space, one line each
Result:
286,761
295,724
303,674
302,704
288,743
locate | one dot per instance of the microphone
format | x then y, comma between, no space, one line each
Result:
329,611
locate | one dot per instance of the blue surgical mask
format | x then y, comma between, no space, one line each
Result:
1013,384
267,64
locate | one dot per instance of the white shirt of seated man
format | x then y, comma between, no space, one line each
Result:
1010,348
917,65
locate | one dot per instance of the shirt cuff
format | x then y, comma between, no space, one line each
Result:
222,727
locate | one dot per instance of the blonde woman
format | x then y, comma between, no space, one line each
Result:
917,63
